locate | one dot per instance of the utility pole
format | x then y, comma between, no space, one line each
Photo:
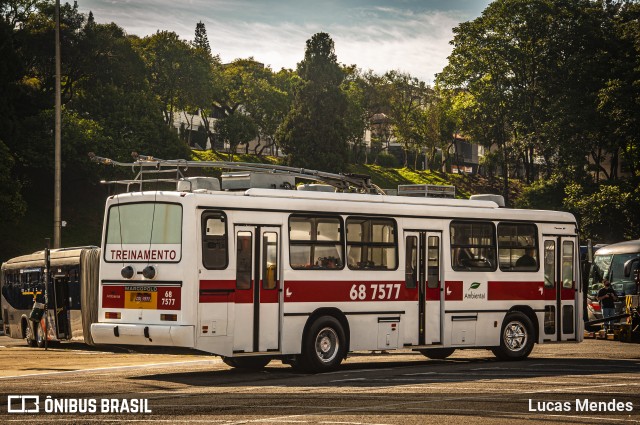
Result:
57,197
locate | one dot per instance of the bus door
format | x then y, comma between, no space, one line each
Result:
257,295
424,270
560,289
61,304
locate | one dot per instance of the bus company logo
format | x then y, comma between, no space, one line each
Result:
476,292
33,404
23,404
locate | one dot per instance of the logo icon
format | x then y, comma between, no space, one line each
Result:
475,285
24,402
288,292
448,290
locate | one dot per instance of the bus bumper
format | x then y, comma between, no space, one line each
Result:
157,335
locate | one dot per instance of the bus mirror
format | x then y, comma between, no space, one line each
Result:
590,251
628,266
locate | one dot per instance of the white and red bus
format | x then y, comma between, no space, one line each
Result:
307,277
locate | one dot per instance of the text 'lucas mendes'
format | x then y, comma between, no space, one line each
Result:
579,405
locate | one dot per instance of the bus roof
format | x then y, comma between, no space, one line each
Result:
628,247
350,203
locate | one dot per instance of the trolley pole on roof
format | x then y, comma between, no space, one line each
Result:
57,222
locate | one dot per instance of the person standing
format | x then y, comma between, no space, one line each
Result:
607,297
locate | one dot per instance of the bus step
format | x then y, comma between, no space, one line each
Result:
422,347
256,353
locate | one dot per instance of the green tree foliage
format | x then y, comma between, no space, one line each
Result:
178,73
201,41
236,129
607,213
314,133
248,88
408,98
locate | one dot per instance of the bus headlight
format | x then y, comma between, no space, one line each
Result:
149,272
127,272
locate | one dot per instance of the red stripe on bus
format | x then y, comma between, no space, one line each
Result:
509,290
567,294
230,294
433,294
453,290
268,295
531,291
353,291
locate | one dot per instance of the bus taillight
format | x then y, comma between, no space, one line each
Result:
111,315
169,317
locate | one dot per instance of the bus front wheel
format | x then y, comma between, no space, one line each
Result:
324,346
516,338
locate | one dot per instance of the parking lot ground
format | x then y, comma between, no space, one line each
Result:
560,383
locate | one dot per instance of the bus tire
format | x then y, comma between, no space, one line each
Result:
40,337
249,363
324,346
28,335
516,337
437,353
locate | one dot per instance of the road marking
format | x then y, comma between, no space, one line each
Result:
354,371
113,368
349,379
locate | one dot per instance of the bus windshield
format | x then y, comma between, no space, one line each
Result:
144,232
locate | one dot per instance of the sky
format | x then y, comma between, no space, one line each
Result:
406,35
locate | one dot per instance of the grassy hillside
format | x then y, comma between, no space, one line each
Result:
83,202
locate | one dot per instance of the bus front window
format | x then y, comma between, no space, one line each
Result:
144,232
599,270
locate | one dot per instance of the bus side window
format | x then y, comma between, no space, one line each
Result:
518,247
411,262
315,242
473,246
567,264
214,241
371,243
549,263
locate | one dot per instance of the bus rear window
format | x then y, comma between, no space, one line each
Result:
144,232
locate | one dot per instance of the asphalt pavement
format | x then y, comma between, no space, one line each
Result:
591,382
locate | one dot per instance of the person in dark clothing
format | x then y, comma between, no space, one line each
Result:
528,260
607,297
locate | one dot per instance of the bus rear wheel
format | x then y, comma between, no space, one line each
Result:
249,363
516,338
324,346
437,353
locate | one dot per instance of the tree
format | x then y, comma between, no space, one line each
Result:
176,71
607,213
201,41
407,99
235,130
533,70
314,133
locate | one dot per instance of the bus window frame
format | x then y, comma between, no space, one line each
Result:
393,245
206,214
314,242
494,246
